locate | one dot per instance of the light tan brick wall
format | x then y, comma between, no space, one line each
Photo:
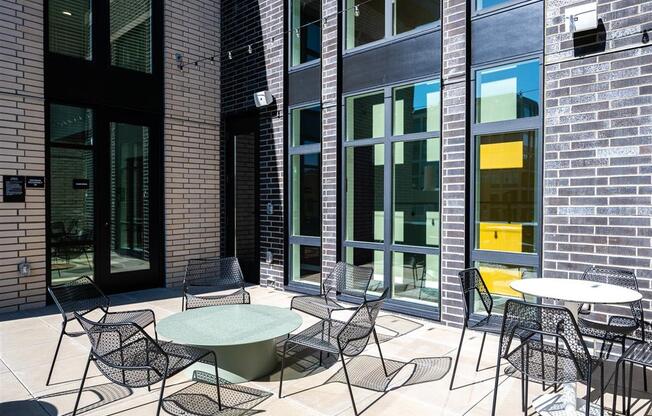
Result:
22,225
191,135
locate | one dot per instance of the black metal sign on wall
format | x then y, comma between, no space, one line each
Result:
13,188
35,181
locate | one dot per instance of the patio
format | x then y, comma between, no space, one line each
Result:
420,350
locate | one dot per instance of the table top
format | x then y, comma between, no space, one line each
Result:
577,291
228,325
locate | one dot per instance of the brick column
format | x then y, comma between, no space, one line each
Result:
454,139
191,135
22,225
329,137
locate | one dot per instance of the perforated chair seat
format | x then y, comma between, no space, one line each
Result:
320,336
318,306
547,363
142,318
492,324
193,300
617,327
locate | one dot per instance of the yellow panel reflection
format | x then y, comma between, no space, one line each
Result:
501,237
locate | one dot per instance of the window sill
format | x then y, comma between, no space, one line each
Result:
303,66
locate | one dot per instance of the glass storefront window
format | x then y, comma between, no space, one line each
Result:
416,108
415,277
306,195
131,34
374,259
306,264
365,116
412,14
416,192
364,193
498,277
306,125
506,175
71,125
69,28
508,92
305,43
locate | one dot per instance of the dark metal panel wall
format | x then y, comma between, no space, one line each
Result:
507,34
411,58
304,85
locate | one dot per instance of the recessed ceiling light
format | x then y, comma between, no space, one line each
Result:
67,13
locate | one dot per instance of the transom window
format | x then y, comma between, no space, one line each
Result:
305,37
373,20
392,187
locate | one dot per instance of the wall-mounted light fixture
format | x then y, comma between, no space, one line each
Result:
24,268
269,257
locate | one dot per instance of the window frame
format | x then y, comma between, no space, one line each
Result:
497,8
389,36
534,124
299,240
387,246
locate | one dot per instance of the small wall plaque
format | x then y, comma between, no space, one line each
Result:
13,188
34,181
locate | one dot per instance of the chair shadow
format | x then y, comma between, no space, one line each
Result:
27,407
200,398
105,393
366,372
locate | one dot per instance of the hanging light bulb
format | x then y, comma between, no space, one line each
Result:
230,56
249,49
325,21
297,33
356,11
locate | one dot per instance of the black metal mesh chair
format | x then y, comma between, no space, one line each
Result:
348,339
473,284
638,354
551,348
125,354
213,275
345,279
618,327
82,296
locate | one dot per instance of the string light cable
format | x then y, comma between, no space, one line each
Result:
248,47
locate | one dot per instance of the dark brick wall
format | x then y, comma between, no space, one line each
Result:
259,23
598,146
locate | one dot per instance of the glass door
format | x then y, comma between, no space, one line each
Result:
129,243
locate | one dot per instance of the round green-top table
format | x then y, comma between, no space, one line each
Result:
242,336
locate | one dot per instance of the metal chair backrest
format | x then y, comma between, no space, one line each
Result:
530,322
221,272
80,295
356,332
124,352
617,277
472,281
349,279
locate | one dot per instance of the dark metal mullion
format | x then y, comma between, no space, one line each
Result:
415,137
504,257
387,197
304,240
306,149
507,126
364,244
401,248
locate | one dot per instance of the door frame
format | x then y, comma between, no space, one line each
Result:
141,279
233,123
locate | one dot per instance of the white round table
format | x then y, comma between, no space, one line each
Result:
573,293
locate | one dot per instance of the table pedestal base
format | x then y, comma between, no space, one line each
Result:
240,363
556,404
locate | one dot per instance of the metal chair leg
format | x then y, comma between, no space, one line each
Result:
588,393
615,398
382,360
602,389
280,385
81,387
457,358
160,397
493,407
56,352
629,392
477,366
348,383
